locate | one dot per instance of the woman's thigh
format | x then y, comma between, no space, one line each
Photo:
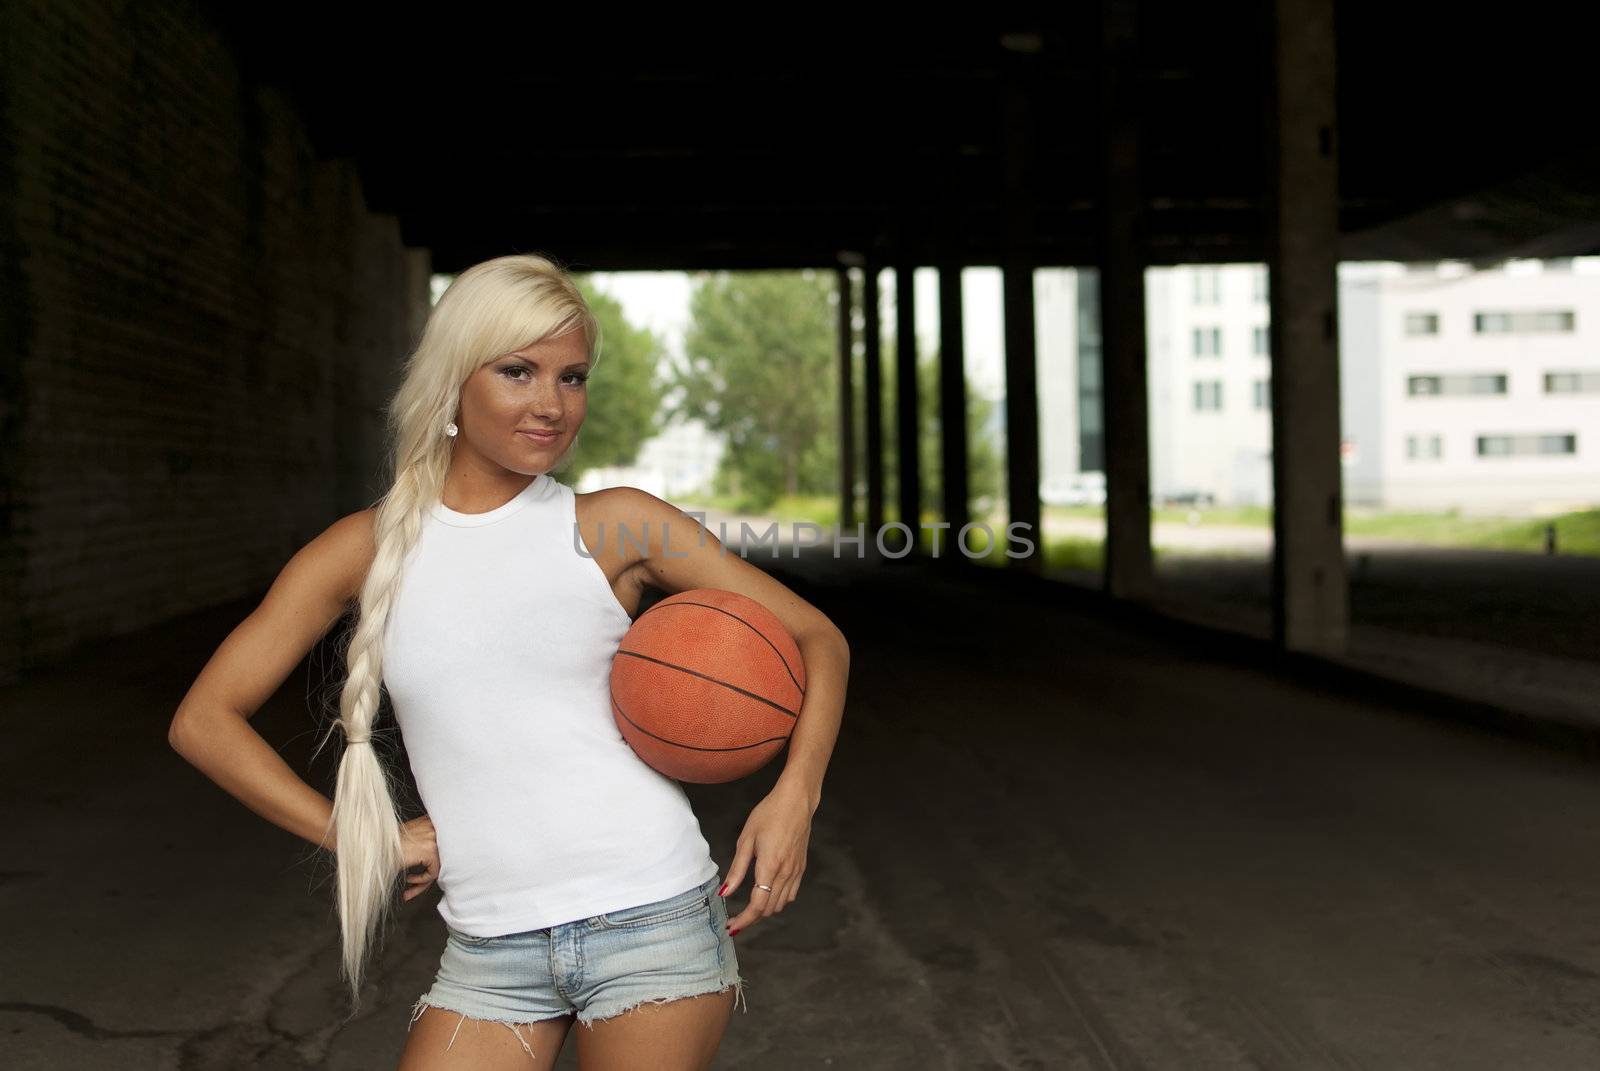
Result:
660,982
679,1035
495,1003
442,1040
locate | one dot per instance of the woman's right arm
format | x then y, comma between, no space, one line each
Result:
212,727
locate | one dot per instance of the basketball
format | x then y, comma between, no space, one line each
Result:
706,686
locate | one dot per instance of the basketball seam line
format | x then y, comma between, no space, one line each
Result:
692,747
786,667
713,680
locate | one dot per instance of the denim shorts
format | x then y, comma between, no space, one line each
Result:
597,967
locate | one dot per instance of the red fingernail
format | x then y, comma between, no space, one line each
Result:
724,890
733,933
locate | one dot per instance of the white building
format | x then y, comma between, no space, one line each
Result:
1210,431
675,466
1477,390
1068,389
1210,413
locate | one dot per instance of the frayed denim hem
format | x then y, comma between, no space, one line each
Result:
423,1004
737,985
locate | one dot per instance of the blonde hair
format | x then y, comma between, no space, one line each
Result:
491,309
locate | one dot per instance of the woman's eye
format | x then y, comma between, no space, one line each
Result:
576,379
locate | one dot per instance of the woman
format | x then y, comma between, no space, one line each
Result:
576,882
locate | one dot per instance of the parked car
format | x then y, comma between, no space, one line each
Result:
1079,489
1193,499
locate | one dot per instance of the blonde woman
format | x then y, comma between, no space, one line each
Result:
576,884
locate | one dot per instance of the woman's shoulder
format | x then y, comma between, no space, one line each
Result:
624,504
346,549
635,522
357,531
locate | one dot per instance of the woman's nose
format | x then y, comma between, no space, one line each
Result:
546,401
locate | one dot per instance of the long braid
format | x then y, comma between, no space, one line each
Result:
494,307
365,820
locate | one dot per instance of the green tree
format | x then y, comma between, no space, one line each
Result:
759,367
625,389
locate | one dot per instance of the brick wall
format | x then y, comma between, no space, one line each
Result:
201,321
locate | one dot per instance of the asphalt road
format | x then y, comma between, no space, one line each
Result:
1047,840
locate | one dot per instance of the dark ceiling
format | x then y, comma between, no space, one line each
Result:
615,142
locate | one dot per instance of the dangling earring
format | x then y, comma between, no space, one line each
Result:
450,429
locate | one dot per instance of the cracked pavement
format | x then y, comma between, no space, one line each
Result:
1048,839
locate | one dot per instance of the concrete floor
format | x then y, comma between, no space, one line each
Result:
1518,631
1536,603
1048,840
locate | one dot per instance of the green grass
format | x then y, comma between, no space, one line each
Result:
1576,533
1238,515
819,509
1068,552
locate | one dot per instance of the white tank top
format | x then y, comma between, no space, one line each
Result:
497,659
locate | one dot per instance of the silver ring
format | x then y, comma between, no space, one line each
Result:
766,887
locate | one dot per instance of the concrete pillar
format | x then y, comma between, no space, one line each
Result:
1022,385
1129,567
908,468
1310,593
847,403
952,403
872,385
1022,412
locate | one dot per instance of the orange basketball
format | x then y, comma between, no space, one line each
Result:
707,685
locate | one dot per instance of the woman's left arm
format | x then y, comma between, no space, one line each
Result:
679,555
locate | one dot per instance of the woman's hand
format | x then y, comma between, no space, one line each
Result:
776,834
419,848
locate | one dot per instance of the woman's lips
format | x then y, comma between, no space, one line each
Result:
544,438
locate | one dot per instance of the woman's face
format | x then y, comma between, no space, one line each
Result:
540,388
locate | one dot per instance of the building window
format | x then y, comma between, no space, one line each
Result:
1207,341
1207,394
1527,445
1258,285
1263,394
1207,286
1473,383
1525,322
1572,382
1422,323
1258,340
1424,447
